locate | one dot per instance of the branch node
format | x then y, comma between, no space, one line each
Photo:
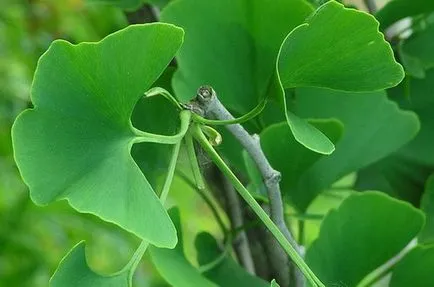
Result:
274,178
205,94
256,139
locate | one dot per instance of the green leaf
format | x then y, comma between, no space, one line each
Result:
417,97
404,173
275,143
81,132
369,133
74,271
319,207
399,9
172,263
416,52
360,236
427,205
308,135
338,48
227,272
231,45
415,269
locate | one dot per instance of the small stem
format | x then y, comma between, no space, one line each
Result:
219,259
214,136
135,260
138,254
156,91
194,164
170,173
141,136
293,254
253,113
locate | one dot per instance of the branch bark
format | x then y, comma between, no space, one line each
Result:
228,199
241,242
212,107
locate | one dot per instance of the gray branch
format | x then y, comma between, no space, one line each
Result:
241,242
211,106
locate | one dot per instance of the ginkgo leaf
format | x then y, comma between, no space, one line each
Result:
360,235
404,173
75,143
337,48
277,140
374,127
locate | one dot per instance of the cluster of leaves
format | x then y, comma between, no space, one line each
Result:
328,78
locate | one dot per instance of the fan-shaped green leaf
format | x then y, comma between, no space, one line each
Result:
374,128
80,128
360,236
403,174
337,48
